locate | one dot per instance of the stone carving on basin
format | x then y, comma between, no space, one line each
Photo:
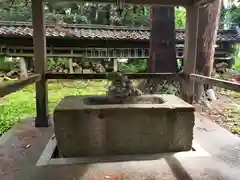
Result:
121,90
123,122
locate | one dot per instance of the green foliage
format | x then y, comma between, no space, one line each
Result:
19,10
180,17
83,13
133,66
237,64
52,18
69,19
235,129
142,20
80,19
234,15
166,87
128,68
53,63
237,57
230,16
15,106
4,66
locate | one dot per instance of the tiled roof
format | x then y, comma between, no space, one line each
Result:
97,32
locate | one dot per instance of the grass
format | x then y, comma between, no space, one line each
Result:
21,104
233,113
233,116
237,63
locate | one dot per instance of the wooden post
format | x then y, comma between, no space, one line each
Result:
190,51
209,16
39,41
115,65
23,68
70,65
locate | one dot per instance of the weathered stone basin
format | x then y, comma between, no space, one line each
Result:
91,125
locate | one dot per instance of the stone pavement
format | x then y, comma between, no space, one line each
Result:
21,148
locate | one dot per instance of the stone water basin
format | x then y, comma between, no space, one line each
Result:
93,126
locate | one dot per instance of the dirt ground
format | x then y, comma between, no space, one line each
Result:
225,111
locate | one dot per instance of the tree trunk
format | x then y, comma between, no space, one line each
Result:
162,43
209,16
162,40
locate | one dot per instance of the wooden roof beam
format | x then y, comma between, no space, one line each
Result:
142,2
149,2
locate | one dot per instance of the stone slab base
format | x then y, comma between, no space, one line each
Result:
88,126
50,156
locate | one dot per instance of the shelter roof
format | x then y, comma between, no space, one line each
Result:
98,32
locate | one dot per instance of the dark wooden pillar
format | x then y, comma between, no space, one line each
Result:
162,40
190,51
39,41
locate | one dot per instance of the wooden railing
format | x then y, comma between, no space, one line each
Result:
10,87
234,86
42,99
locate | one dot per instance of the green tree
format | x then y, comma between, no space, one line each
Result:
180,17
230,14
83,13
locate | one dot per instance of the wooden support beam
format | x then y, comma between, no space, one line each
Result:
70,65
203,2
215,82
10,87
39,41
187,87
161,76
115,65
